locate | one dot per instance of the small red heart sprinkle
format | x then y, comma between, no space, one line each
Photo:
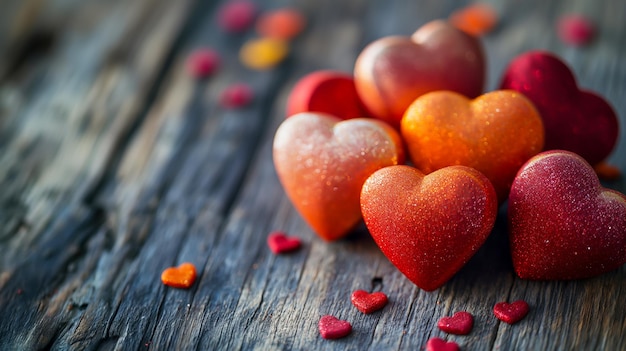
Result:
460,323
236,16
511,312
575,29
203,62
436,344
368,303
279,243
332,328
236,95
182,276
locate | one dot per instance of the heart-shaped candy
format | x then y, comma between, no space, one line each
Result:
428,226
368,303
494,133
331,327
460,323
326,91
323,161
279,243
511,313
575,120
182,276
393,71
437,344
562,223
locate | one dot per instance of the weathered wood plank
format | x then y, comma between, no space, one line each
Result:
72,113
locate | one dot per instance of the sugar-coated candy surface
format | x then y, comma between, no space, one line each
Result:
330,327
494,133
368,302
322,163
563,224
326,91
461,323
575,120
390,73
511,313
428,226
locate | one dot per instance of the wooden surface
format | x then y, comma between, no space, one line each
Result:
115,164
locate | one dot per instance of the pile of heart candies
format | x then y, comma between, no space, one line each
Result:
429,171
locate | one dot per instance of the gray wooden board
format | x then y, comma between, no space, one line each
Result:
115,164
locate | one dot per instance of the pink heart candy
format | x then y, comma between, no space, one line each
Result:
331,327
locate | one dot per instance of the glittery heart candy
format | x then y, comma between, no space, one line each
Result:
562,223
428,226
279,243
182,276
331,327
323,161
575,120
326,91
460,323
437,344
494,133
511,313
393,71
368,303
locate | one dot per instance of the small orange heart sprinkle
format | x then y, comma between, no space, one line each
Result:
263,53
606,171
181,277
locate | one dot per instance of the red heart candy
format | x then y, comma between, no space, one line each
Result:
574,120
428,226
326,91
393,71
332,328
279,242
322,163
575,29
436,344
236,16
368,303
236,95
182,276
460,323
203,62
563,223
511,313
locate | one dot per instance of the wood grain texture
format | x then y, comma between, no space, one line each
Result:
116,164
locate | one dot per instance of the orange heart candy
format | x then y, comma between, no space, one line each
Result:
322,163
495,133
182,276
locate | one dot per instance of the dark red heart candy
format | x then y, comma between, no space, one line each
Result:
575,120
